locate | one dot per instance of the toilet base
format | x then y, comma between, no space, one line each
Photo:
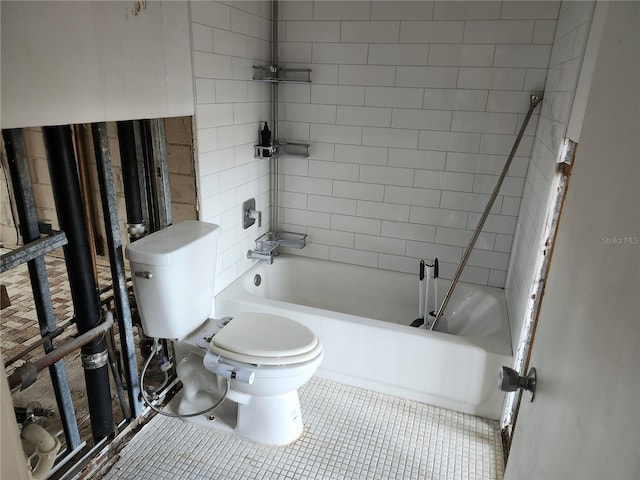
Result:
273,420
267,411
270,420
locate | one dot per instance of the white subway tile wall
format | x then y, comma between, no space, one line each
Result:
411,113
566,57
228,38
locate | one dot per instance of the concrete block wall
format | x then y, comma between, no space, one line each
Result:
180,163
39,173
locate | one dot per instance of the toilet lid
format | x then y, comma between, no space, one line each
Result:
264,339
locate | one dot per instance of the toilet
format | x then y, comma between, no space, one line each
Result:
266,358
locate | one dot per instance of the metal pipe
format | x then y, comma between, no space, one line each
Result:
26,374
28,220
31,251
84,292
534,100
45,339
130,180
274,63
120,291
159,172
274,115
87,197
148,174
114,361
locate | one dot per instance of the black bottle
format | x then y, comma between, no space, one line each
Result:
265,135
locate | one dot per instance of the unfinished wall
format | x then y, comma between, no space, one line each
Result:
39,173
181,165
77,62
181,179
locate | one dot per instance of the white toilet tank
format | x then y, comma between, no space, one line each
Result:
173,273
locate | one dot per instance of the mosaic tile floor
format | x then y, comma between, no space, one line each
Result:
350,433
19,322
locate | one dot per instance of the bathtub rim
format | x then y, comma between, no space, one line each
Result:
235,291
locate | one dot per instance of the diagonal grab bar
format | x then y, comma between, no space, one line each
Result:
534,101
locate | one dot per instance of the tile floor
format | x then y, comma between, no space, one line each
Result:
19,325
350,433
19,322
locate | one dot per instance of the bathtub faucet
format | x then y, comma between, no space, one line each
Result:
264,256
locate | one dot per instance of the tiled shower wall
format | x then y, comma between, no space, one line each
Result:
564,68
228,39
411,113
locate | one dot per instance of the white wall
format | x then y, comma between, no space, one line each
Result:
74,62
228,39
584,422
411,113
564,67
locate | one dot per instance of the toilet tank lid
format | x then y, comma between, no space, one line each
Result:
168,245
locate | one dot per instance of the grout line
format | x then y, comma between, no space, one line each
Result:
349,433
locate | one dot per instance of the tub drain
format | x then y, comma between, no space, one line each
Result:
257,280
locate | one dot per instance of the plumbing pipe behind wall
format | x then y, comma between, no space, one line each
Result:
84,292
85,189
131,183
28,220
26,374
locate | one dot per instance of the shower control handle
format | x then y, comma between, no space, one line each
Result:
147,275
250,214
255,215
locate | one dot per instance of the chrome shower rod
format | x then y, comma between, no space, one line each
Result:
534,101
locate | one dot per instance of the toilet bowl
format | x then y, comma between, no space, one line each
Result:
260,360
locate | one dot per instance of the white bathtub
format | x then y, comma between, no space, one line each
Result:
361,316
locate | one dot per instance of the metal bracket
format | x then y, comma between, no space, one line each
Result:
94,361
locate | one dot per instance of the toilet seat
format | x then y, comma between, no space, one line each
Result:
263,339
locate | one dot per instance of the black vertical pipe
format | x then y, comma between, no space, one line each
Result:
128,158
84,292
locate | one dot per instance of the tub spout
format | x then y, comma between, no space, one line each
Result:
263,256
